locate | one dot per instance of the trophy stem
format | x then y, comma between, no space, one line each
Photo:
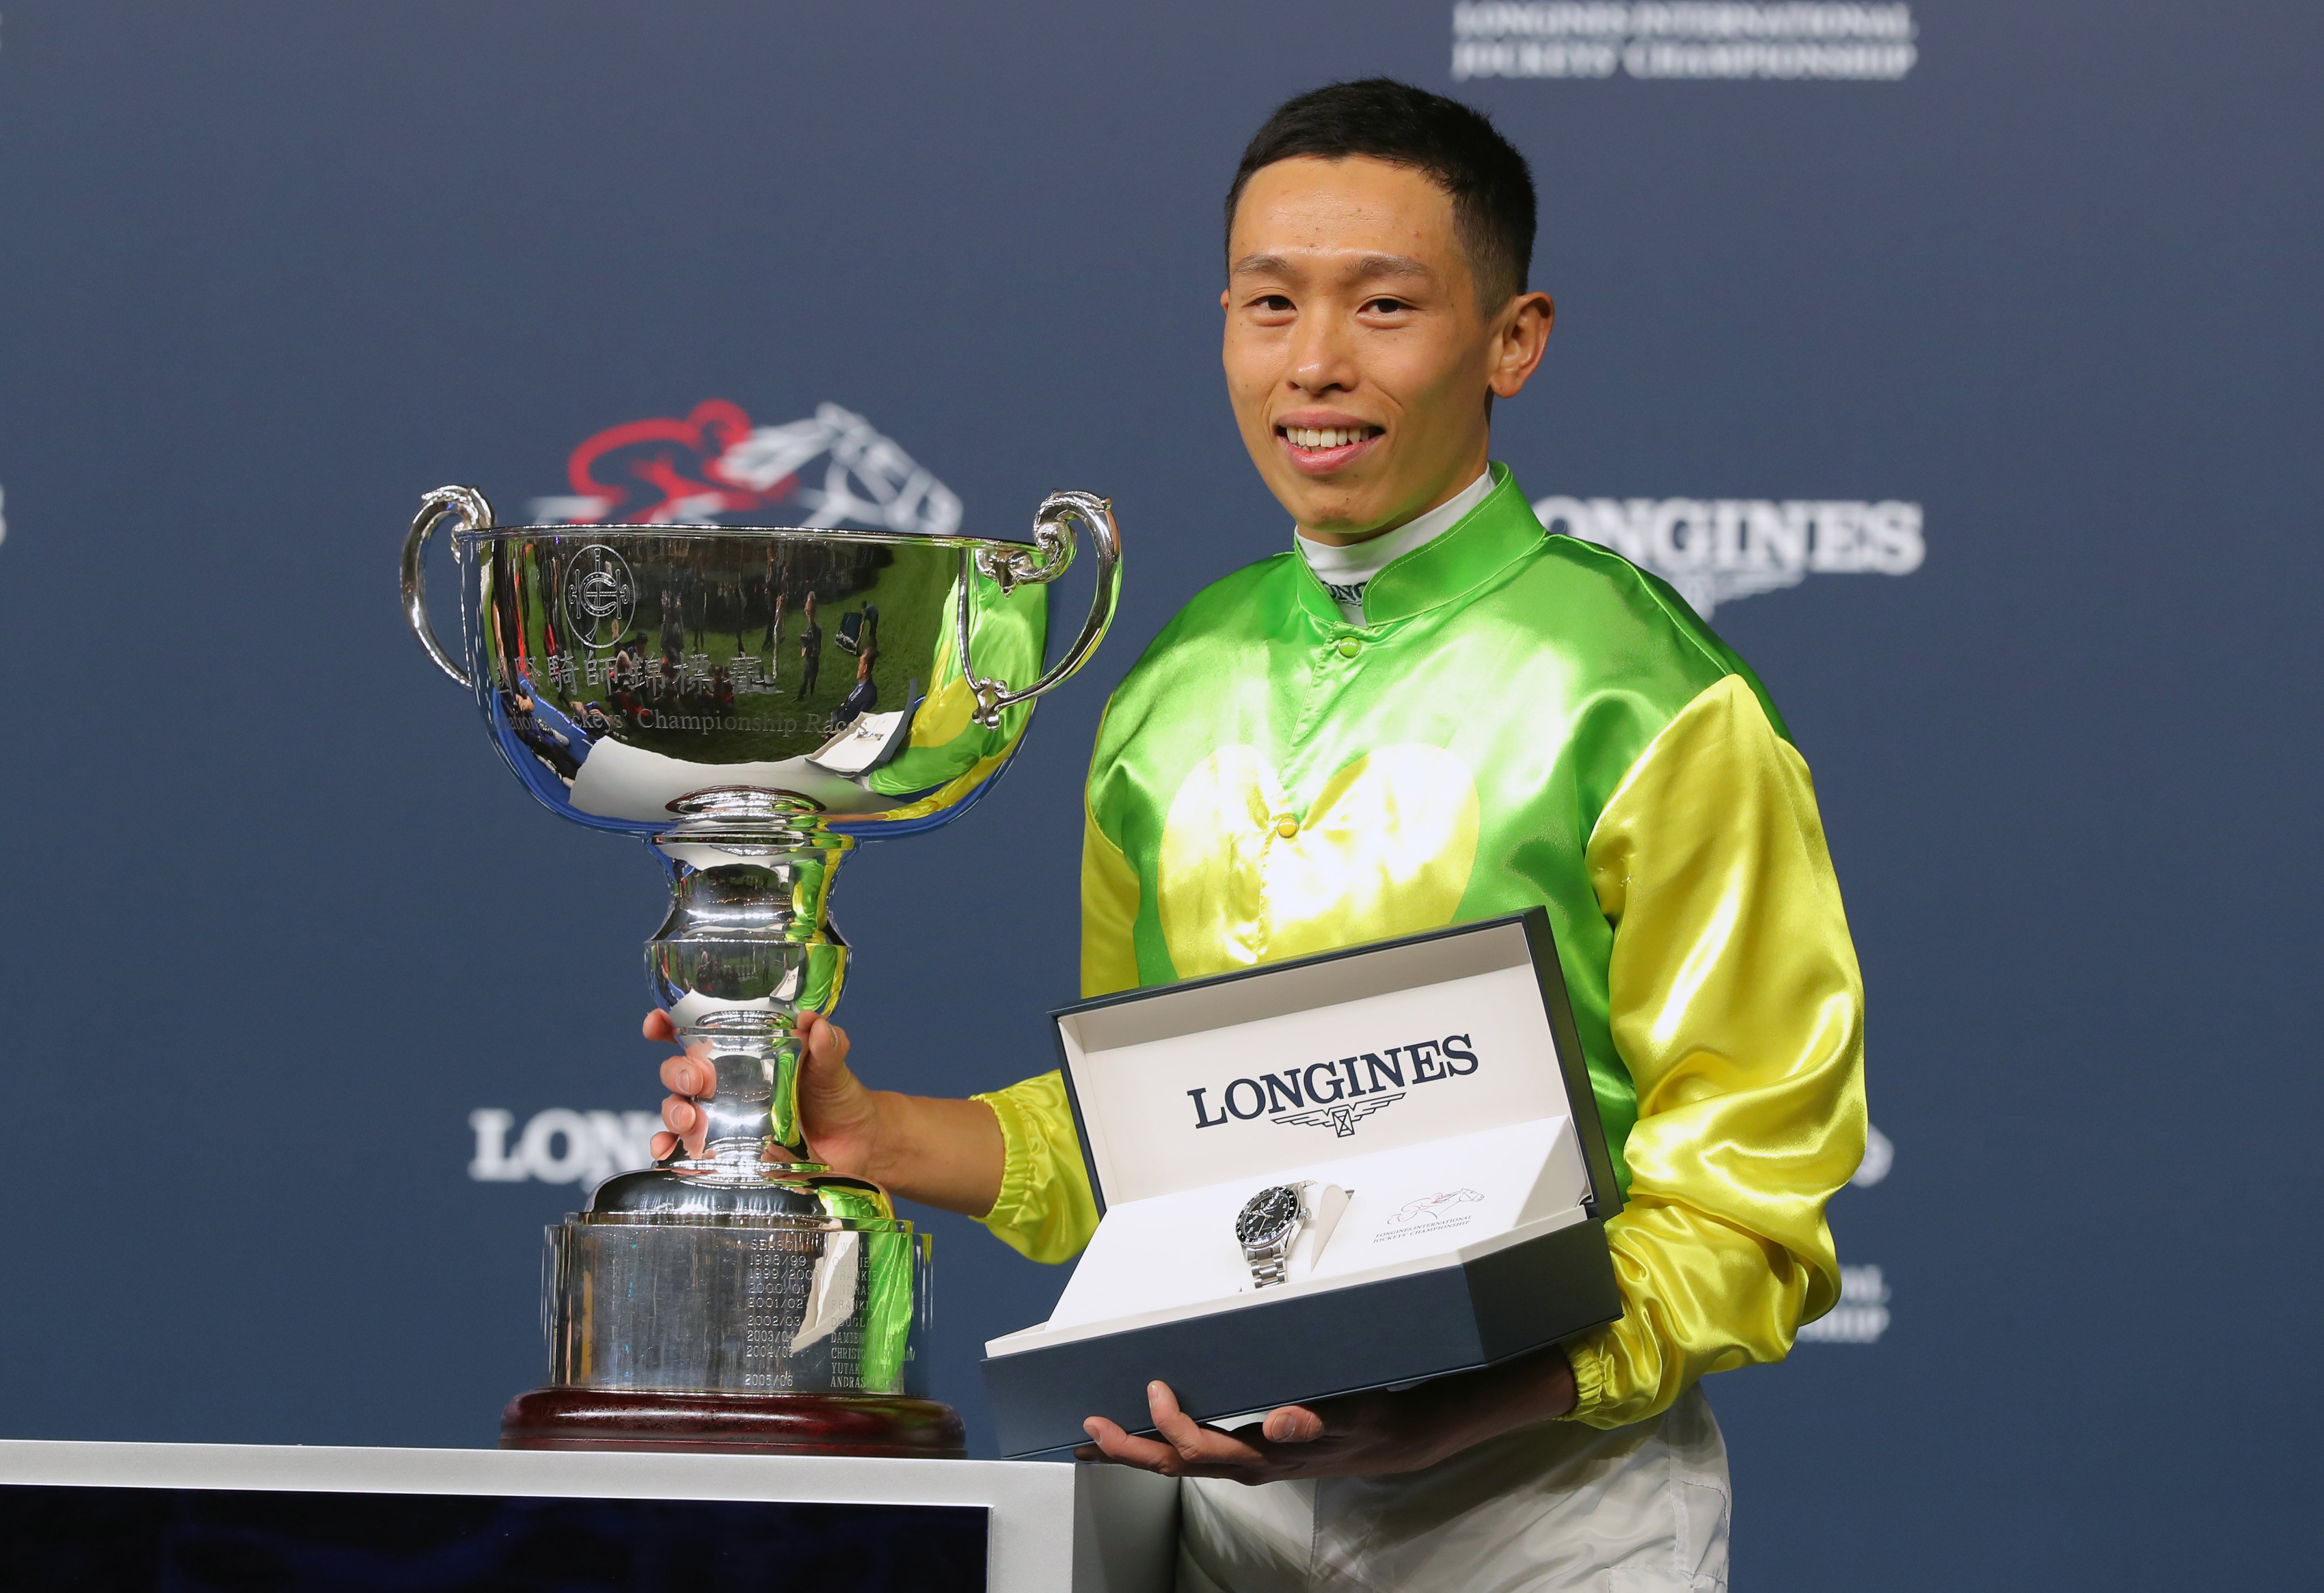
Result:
747,947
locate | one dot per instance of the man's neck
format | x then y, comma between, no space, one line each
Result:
1460,482
1346,568
1437,516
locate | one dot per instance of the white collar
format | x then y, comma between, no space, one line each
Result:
1350,568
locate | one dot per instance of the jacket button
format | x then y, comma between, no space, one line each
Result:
1286,826
1350,647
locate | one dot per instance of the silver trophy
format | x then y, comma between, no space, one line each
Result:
751,702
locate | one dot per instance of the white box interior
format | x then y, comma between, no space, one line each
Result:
1472,1149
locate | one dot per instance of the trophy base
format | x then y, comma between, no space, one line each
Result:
562,1417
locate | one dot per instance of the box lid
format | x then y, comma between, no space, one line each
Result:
1394,1043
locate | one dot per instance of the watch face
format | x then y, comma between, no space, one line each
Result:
1268,1215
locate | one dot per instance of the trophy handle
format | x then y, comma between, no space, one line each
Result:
475,514
1051,553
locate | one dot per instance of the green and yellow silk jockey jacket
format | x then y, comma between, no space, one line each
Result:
1521,720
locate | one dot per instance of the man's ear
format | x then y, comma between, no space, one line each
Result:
1520,336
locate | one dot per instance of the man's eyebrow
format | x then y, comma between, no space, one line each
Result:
1259,265
1373,267
1367,269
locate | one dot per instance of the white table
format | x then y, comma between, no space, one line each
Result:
1052,1528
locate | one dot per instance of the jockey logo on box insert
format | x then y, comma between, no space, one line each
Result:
1337,1094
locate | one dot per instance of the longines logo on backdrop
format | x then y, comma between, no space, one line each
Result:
560,1146
832,468
1717,549
1786,40
1337,1095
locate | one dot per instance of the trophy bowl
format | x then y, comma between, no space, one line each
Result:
752,701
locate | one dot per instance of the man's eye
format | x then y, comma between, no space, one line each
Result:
1387,307
1274,303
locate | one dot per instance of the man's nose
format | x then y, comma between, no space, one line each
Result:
1321,361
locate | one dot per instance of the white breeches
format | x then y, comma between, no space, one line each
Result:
1546,1509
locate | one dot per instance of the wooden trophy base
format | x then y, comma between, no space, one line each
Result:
561,1418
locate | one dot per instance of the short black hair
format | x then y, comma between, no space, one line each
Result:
1455,145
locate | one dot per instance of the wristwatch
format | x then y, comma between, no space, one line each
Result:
1269,1221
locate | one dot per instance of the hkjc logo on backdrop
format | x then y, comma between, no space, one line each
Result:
715,464
1784,41
832,468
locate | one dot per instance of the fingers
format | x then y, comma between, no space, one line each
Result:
686,1079
1180,1445
830,1094
1113,1444
1174,1425
1218,1454
823,1041
1292,1424
687,1121
1182,1432
683,1075
1184,1446
690,1080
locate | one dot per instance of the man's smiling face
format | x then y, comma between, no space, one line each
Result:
1357,357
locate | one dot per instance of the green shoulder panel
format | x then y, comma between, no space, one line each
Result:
1684,622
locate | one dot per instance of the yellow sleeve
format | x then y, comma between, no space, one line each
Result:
1046,1210
1737,1007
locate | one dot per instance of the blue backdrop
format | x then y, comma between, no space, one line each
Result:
1964,358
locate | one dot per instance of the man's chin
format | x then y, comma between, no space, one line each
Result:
1350,509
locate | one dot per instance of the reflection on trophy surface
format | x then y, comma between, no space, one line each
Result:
752,701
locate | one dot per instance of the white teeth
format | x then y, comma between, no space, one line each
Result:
1327,437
